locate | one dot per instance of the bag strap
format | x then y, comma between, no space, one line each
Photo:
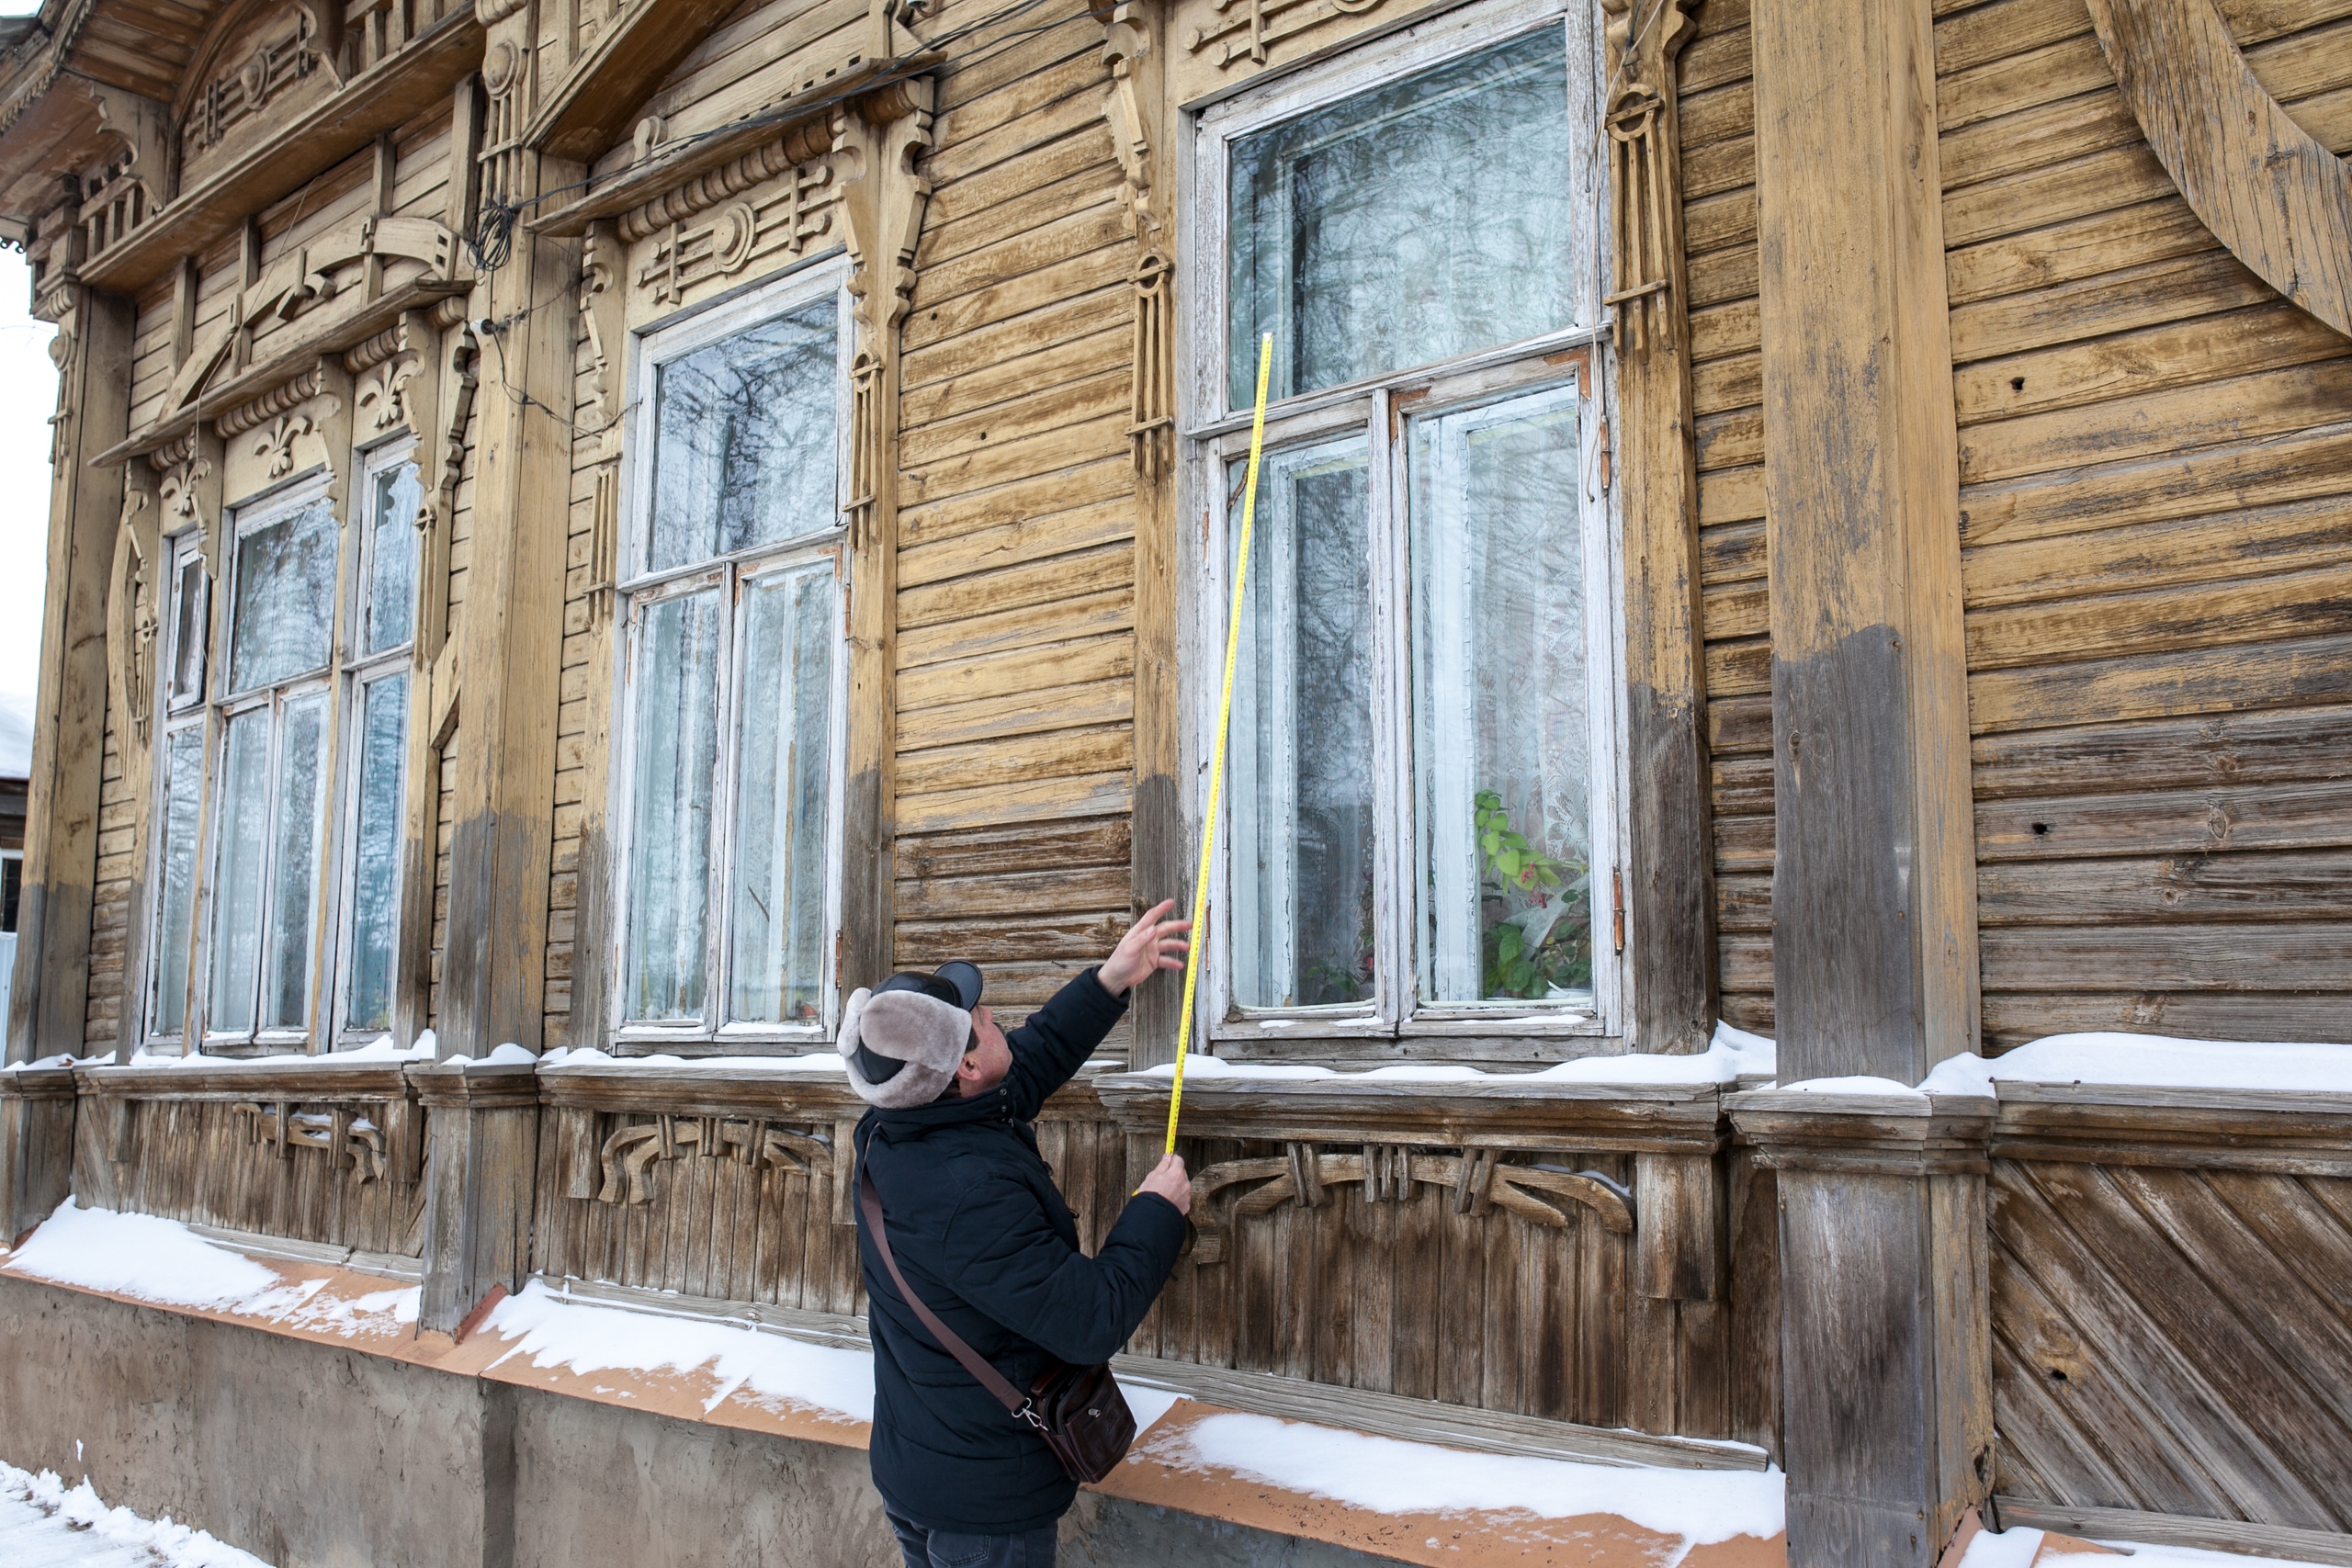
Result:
1011,1398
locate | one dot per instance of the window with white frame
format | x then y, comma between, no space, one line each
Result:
1423,760
278,851
732,667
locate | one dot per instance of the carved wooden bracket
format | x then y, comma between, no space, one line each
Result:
625,1159
132,617
1478,1178
2268,188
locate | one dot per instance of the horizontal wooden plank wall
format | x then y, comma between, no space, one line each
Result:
2173,1340
1718,110
2156,510
200,1161
1016,567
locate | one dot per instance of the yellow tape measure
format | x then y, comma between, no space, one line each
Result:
1223,721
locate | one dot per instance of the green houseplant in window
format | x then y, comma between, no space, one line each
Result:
1536,935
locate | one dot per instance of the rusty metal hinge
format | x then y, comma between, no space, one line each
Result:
1617,908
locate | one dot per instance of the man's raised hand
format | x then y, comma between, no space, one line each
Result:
1153,942
1169,1180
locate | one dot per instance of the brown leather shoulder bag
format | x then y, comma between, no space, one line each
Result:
1077,1410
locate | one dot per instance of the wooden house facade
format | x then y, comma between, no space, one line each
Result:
605,524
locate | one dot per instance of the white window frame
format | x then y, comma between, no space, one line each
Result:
176,712
356,670
1215,434
225,706
682,334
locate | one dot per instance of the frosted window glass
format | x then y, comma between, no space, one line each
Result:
1409,224
744,440
284,620
1301,749
190,625
295,858
376,852
392,558
676,740
785,717
244,829
176,912
1502,722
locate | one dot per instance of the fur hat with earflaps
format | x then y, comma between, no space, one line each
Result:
901,1045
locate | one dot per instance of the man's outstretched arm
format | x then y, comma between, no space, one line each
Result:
1059,1036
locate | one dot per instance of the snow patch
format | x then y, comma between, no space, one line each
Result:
63,1060
509,1054
43,1521
159,1260
1386,1475
380,1049
564,1059
1732,1055
2020,1546
1885,1089
555,1331
2151,1060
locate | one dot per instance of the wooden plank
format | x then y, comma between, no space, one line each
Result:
1107,657
1013,893
1018,759
2310,884
1003,631
2138,234
2264,403
2299,535
2203,617
1106,567
1019,713
2164,685
2282,957
2268,336
2158,1529
2015,1018
1013,850
2002,27
1731,552
2301,817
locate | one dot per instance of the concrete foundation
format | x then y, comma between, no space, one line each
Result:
313,1456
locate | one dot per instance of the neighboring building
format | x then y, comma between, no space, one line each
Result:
609,526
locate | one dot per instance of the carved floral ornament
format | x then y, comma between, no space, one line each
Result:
1246,29
627,1156
1478,1180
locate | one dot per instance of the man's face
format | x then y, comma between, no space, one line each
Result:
985,1064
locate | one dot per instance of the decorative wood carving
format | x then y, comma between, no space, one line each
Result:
1668,925
383,391
797,213
877,152
131,618
2268,188
627,1156
1478,1178
603,315
800,151
305,277
277,438
1127,50
348,1140
1249,29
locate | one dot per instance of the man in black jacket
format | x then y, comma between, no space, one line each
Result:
983,1237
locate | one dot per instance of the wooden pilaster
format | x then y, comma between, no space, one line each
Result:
508,640
50,994
36,1146
1669,895
482,1143
1885,1382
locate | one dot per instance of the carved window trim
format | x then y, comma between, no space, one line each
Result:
1209,428
177,713
831,273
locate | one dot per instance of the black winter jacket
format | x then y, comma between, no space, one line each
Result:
984,1237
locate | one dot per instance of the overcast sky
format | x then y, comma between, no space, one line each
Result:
27,397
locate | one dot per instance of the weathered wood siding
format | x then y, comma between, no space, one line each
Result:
1016,564
1718,110
2156,511
2173,1340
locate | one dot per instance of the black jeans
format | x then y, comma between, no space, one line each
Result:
938,1548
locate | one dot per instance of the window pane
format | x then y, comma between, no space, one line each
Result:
391,558
376,852
1501,720
744,446
189,627
676,739
236,893
779,853
183,782
294,873
284,606
1411,223
1301,747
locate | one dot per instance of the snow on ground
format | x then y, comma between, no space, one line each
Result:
45,1524
1386,1475
161,1260
2019,1548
